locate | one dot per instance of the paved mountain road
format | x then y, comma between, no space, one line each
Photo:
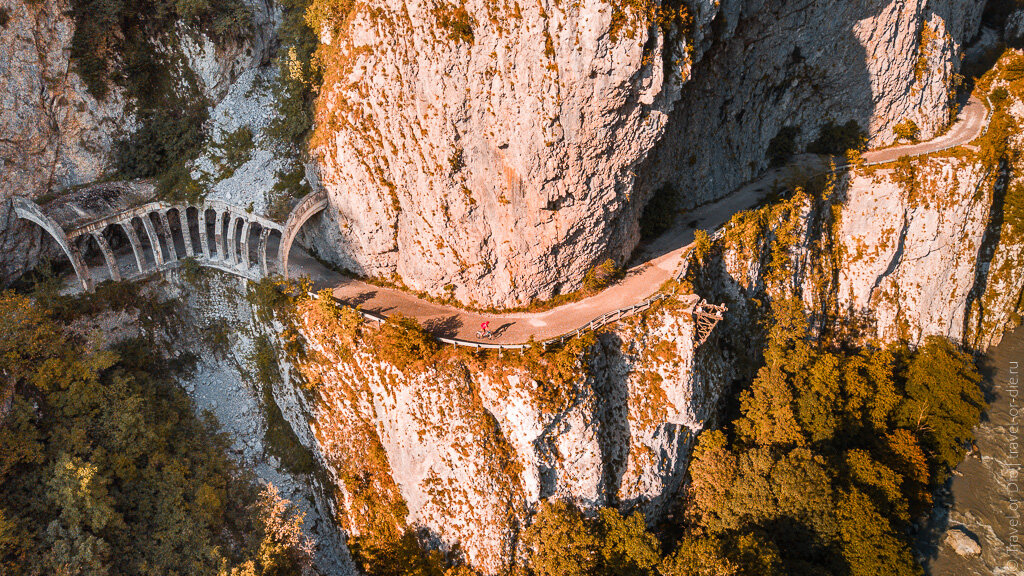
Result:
661,259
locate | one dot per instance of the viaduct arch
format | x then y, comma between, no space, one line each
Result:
160,234
310,205
29,210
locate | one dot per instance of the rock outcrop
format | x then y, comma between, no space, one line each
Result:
910,246
499,153
490,148
55,134
900,252
800,65
460,448
963,543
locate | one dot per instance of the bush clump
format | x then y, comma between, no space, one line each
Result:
177,185
456,21
171,130
835,139
234,150
291,186
299,72
403,342
601,276
561,541
907,130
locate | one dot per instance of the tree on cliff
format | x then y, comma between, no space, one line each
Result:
834,453
106,469
563,542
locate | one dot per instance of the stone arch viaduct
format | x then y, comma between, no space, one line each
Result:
213,233
219,235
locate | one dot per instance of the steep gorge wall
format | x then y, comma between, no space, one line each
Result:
911,246
499,162
490,150
896,253
800,64
215,323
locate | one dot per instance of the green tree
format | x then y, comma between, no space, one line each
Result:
627,548
106,467
560,542
943,401
698,554
834,451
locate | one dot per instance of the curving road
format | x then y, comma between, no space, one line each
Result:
660,260
970,123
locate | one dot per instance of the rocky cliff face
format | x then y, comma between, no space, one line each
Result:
801,64
485,146
459,448
911,247
53,134
495,153
498,162
996,301
900,252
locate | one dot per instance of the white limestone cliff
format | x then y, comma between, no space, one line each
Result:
802,64
911,253
917,254
501,165
462,448
486,160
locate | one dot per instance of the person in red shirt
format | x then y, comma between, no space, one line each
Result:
484,326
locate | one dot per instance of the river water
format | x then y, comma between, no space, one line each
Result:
986,496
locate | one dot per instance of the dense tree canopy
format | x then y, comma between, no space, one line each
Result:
833,453
106,469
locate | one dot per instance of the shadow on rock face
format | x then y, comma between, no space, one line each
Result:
801,65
